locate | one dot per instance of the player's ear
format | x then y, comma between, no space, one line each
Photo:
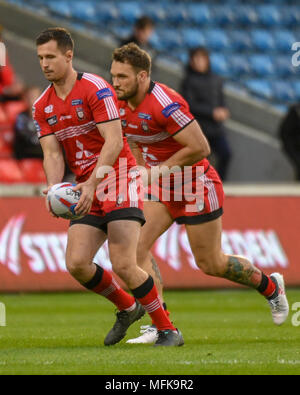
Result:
143,75
69,55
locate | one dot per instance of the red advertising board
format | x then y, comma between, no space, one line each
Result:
32,244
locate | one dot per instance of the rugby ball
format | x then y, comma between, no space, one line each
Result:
63,199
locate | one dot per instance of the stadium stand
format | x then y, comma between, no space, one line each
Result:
262,31
27,171
256,103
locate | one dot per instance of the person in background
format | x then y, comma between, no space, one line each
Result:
26,143
203,90
289,133
143,30
10,85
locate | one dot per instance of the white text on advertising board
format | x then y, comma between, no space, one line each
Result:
46,251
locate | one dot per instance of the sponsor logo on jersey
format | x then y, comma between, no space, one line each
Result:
52,121
80,113
145,126
77,102
64,117
142,115
132,126
170,109
49,109
82,152
104,93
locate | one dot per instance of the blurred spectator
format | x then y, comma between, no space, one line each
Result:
203,90
143,30
10,86
26,142
289,132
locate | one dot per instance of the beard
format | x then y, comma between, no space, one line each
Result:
129,94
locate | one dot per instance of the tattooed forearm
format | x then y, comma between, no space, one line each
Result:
156,270
241,271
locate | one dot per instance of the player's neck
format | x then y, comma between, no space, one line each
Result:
135,101
64,86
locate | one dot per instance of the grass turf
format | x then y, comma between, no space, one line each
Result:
226,332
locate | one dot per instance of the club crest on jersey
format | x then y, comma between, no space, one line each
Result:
77,102
142,115
104,93
49,109
120,200
170,109
145,126
124,123
80,113
52,121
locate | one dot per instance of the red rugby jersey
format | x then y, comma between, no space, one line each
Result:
161,115
74,121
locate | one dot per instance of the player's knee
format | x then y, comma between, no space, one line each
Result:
75,266
122,266
211,266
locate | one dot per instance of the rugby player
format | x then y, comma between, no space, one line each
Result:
78,113
163,133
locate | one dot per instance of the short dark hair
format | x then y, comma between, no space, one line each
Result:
135,56
58,34
143,22
199,50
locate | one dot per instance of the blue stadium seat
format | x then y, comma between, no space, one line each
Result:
261,65
106,12
198,14
61,8
166,39
269,15
176,13
219,64
216,39
155,11
130,11
282,91
296,88
262,40
290,16
246,15
283,66
84,11
240,40
121,31
284,39
223,15
239,65
183,56
192,38
260,88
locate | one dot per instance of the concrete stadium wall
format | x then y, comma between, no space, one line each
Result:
252,132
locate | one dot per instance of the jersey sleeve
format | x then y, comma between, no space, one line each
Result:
172,111
41,124
102,101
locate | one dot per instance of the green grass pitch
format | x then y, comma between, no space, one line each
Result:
226,332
